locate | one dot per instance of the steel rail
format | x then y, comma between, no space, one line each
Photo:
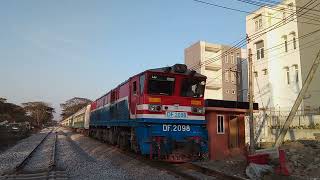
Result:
20,166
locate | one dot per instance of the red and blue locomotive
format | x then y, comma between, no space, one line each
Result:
159,112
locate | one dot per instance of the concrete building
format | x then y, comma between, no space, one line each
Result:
282,57
225,80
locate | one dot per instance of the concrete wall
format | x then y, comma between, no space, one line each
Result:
310,46
267,126
230,68
217,88
295,134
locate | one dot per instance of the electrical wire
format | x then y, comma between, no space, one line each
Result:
256,35
273,49
309,16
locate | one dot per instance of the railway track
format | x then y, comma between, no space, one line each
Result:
20,172
189,170
186,170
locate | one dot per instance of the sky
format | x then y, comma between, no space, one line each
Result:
52,51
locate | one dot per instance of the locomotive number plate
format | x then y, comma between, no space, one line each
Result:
176,115
174,127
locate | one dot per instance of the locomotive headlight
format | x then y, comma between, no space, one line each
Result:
197,110
154,107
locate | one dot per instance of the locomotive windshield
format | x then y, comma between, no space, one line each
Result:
161,85
192,88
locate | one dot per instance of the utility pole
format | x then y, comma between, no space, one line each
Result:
251,148
297,103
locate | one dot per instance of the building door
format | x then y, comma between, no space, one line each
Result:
234,132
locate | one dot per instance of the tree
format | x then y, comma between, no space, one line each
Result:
3,100
12,112
40,112
73,105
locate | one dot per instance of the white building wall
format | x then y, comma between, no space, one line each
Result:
272,89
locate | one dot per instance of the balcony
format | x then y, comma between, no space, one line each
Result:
214,84
213,66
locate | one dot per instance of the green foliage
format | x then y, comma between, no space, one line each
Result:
40,112
12,112
73,105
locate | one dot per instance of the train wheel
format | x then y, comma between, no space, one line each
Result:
123,141
113,138
133,142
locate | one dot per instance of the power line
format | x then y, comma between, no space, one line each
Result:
257,35
282,3
309,16
242,11
268,50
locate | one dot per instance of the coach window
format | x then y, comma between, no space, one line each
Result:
135,87
142,78
220,124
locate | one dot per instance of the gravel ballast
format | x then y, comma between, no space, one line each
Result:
86,158
13,156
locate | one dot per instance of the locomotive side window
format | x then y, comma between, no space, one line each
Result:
161,85
134,89
193,88
142,78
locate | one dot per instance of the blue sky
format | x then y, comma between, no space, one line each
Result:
54,50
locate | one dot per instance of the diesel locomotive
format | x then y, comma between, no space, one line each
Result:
158,113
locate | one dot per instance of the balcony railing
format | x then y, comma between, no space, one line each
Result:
213,66
214,84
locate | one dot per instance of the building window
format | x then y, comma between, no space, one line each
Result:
226,75
269,19
286,45
238,58
296,73
260,50
284,16
233,92
258,23
290,7
294,43
232,59
255,74
265,71
287,75
226,58
227,91
220,124
233,76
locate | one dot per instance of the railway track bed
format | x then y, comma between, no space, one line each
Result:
40,163
180,171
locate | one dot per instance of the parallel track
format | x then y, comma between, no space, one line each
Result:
49,172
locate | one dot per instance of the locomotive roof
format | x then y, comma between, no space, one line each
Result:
161,70
169,69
